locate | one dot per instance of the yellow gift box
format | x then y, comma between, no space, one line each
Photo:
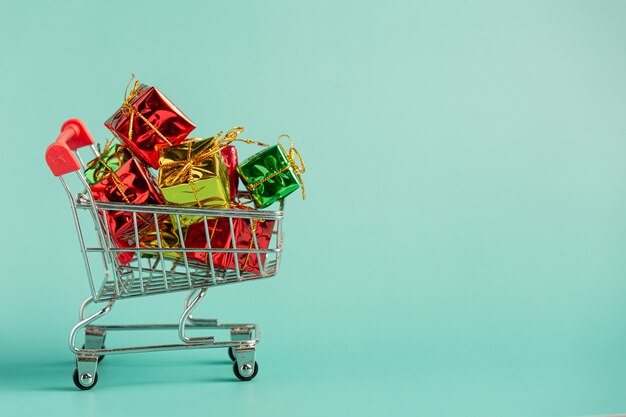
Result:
194,174
168,235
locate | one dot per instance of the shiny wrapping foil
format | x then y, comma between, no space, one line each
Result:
269,176
194,175
229,155
131,184
221,237
168,233
111,159
152,116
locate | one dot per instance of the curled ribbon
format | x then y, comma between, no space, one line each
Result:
291,155
128,109
230,137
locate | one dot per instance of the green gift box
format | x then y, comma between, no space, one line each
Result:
272,174
110,160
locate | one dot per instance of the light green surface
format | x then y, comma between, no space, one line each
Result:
462,249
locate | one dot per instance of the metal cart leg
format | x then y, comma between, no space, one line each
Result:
237,334
94,339
86,375
243,353
192,300
240,333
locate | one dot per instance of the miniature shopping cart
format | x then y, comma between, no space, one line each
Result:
153,270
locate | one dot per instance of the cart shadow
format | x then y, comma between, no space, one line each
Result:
57,375
36,375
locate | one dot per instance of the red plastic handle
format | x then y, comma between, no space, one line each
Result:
74,135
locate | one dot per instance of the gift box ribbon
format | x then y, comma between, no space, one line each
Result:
255,226
291,155
107,147
193,163
108,172
149,236
131,111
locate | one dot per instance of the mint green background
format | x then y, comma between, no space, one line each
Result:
461,252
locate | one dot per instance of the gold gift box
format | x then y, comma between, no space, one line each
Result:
168,233
194,174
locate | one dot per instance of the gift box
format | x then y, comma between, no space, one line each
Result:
221,238
194,175
110,159
168,233
196,238
131,184
147,119
229,155
272,174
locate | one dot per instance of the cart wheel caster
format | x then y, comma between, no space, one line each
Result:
242,377
88,380
100,357
231,355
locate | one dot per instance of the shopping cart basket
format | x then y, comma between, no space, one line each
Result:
154,270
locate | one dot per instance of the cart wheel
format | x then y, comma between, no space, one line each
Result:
81,386
231,355
100,357
245,378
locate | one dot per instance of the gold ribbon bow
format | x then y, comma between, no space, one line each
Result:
191,164
230,137
107,147
291,155
128,109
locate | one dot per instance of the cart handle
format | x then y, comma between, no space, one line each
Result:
59,157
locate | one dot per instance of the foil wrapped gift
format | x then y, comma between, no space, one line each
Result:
194,175
130,184
221,238
112,157
167,234
272,174
231,159
147,119
229,155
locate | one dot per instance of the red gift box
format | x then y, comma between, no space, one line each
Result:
147,119
221,237
131,184
229,155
